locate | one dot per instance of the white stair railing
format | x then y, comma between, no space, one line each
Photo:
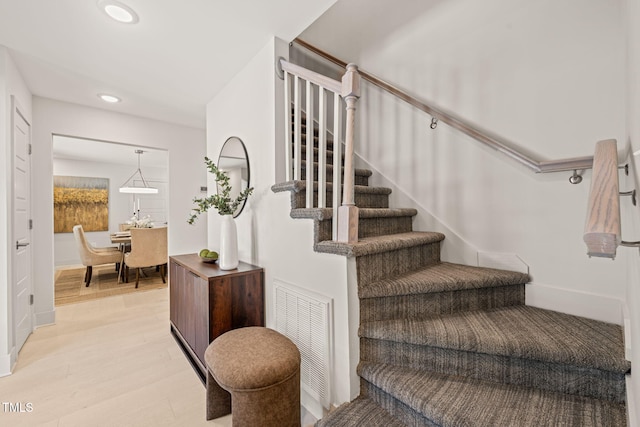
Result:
301,83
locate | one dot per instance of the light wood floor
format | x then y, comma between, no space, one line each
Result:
107,362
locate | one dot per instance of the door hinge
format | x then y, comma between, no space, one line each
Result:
30,224
30,149
31,299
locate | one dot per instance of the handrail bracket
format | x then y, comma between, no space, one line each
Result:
631,193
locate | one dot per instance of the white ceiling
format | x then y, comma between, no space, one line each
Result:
166,67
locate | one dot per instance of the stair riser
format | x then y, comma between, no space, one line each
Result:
395,407
303,140
358,179
303,135
328,156
303,125
368,227
428,305
500,369
372,268
362,200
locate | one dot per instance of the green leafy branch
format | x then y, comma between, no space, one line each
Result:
221,201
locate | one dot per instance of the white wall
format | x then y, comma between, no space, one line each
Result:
65,251
267,236
185,146
11,84
632,13
547,75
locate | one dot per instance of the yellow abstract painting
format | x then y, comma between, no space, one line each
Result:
80,200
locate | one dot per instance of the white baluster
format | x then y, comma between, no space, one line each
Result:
337,160
322,147
288,127
309,144
297,140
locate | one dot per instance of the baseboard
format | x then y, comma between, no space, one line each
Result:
6,362
44,318
311,405
633,407
626,318
592,306
502,261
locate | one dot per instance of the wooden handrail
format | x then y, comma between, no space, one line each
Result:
485,137
602,229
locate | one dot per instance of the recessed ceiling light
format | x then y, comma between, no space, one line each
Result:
118,11
109,98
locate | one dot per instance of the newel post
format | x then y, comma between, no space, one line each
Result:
348,211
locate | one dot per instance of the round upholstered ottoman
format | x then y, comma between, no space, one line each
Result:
254,373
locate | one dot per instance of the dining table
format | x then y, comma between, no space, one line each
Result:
122,239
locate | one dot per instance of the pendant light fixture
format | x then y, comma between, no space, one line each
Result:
129,187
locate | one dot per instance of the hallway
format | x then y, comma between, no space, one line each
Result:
110,361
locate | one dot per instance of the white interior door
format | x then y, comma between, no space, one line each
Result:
22,309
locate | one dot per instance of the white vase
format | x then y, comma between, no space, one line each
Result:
228,243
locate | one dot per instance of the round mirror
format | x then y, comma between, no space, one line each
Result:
234,161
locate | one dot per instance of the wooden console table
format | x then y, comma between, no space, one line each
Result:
206,302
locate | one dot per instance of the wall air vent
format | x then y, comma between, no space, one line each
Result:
305,318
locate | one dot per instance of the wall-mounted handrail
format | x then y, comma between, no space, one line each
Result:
602,229
485,137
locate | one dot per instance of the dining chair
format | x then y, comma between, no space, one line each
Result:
91,255
148,249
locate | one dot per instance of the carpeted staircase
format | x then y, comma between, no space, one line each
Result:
443,344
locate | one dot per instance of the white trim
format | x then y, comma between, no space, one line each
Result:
583,304
311,404
45,318
502,261
626,319
7,361
633,408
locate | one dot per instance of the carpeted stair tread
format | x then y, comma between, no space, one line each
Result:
297,186
362,412
459,347
455,401
515,331
442,277
321,214
379,244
